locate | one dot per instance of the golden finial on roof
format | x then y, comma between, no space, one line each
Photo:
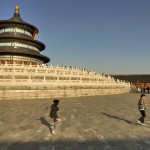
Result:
17,9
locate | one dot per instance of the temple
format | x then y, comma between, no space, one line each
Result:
25,74
18,42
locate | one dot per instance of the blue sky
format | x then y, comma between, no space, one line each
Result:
106,36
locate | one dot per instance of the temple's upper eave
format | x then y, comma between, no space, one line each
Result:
19,22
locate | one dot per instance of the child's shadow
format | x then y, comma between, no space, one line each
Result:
46,123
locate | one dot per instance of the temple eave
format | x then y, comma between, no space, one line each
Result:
15,23
38,56
25,40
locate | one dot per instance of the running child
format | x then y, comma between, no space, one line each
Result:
54,113
142,109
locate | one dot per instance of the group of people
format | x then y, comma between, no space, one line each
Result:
145,89
54,109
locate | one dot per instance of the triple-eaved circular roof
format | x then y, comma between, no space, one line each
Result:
17,30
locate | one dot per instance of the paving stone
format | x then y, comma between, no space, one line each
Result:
88,123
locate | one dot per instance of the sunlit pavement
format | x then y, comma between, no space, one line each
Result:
88,123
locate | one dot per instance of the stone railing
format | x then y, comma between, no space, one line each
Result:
31,78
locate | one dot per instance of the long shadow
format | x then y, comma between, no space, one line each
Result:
46,123
118,118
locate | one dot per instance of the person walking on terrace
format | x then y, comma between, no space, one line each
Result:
142,109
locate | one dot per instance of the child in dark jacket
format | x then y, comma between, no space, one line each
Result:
54,113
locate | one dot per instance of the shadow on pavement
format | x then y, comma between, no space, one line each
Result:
118,118
46,123
95,144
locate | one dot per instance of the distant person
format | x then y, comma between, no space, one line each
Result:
54,113
145,89
142,109
148,89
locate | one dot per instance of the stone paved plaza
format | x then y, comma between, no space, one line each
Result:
88,123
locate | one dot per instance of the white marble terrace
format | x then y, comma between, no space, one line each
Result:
54,79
